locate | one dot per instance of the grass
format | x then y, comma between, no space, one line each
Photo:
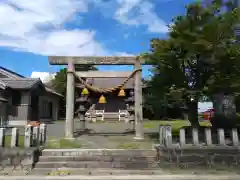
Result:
129,145
176,124
8,141
51,143
54,143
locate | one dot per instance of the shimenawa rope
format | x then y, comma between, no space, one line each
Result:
106,90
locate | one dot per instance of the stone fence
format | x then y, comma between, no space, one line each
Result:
14,157
224,153
33,136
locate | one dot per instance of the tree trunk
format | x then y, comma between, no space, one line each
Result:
193,113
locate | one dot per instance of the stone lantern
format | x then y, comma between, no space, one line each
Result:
83,103
131,110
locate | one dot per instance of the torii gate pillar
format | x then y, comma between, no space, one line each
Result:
138,102
70,96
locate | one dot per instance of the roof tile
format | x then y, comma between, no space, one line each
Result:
110,82
25,83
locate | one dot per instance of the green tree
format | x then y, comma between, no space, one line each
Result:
192,61
159,101
59,83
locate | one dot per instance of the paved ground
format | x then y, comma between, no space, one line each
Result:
58,129
127,177
105,135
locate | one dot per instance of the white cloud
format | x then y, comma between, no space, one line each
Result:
140,12
37,27
124,54
133,13
44,76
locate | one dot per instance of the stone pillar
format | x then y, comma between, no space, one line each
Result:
2,137
138,102
36,136
14,137
70,95
28,136
43,134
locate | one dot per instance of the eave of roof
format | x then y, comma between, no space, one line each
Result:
3,99
23,83
2,85
10,73
110,82
16,79
52,91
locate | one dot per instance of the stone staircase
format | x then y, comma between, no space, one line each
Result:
97,162
106,165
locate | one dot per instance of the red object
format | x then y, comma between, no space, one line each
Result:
34,123
207,115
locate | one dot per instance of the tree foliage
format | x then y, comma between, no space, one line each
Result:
199,57
59,83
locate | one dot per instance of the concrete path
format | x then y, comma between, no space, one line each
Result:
126,177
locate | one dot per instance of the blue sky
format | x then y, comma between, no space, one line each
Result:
32,30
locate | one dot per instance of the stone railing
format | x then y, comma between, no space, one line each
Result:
181,154
16,157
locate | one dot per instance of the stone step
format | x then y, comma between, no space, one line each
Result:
111,116
94,172
126,177
118,158
94,164
98,152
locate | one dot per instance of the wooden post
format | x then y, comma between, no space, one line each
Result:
70,100
138,102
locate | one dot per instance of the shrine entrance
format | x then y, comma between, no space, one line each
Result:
134,100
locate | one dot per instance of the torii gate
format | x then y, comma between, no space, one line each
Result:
100,60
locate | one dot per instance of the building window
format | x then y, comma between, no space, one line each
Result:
16,98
